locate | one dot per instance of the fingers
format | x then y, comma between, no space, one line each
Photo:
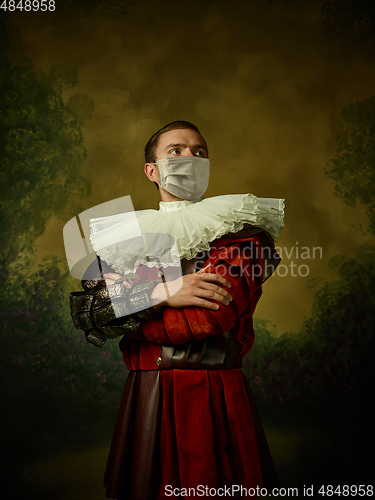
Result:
204,290
203,269
216,292
213,292
196,290
110,278
206,304
219,296
202,287
214,277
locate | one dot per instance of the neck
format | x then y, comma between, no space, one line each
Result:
166,197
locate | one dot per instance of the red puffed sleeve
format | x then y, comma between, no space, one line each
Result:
239,261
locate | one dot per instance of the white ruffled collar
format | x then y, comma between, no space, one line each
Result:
179,229
171,206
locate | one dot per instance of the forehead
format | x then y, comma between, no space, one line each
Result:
178,136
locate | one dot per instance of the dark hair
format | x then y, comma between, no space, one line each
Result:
150,149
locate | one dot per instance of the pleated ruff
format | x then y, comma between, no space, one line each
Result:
183,428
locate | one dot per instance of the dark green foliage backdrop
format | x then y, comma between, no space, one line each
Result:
325,375
329,360
54,389
57,389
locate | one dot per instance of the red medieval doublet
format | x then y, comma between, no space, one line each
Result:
187,419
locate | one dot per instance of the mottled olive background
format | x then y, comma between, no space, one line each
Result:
271,85
254,76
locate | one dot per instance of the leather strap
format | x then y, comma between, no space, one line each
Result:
212,353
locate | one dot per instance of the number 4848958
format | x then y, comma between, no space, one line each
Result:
28,5
346,491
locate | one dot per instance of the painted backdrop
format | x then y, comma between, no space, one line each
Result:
283,92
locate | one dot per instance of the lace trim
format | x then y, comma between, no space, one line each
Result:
180,229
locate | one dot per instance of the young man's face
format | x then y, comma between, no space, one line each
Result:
181,142
178,142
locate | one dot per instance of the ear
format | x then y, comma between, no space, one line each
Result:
152,172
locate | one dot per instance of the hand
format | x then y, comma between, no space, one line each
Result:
193,290
110,278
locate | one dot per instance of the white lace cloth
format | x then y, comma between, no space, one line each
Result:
179,229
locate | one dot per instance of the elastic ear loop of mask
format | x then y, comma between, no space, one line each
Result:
159,184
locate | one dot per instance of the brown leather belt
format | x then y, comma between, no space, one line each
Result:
212,353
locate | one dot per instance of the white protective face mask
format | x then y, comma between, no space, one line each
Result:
185,177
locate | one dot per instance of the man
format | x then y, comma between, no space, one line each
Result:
186,426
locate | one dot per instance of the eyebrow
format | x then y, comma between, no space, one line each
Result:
181,145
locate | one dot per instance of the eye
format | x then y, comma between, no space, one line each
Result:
201,153
174,151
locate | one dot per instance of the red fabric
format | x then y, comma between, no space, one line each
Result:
208,435
177,326
207,432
